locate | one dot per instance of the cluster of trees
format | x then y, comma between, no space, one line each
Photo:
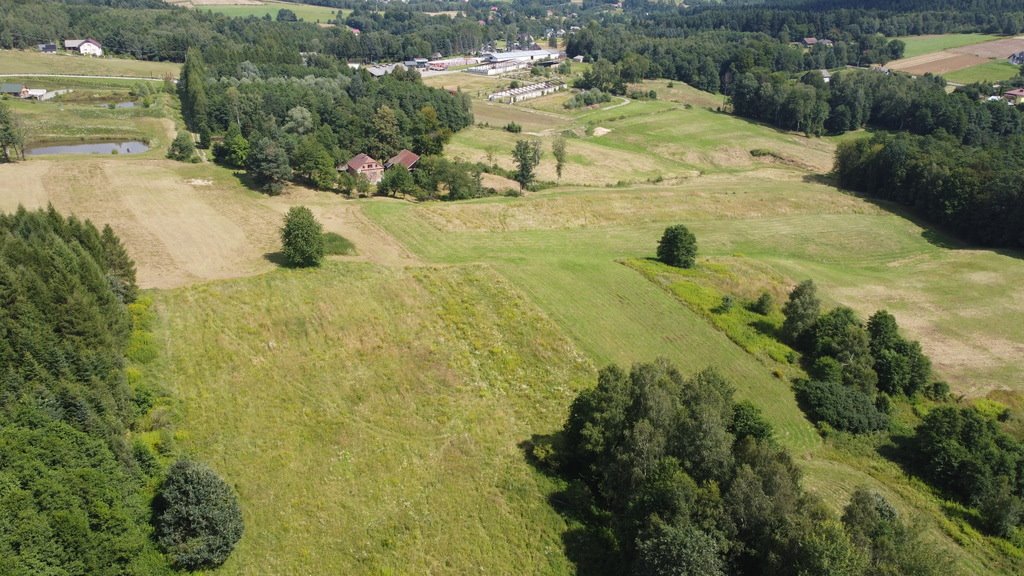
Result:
856,99
855,368
288,128
687,481
963,451
973,191
12,135
73,489
587,98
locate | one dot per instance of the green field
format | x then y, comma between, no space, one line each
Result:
990,72
371,414
31,62
305,12
920,45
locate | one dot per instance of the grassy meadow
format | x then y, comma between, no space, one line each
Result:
921,45
33,62
305,12
989,72
371,413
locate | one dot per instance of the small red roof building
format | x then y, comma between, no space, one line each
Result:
406,158
365,166
1015,96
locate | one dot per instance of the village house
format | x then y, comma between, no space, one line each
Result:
1015,97
406,158
809,42
363,165
86,47
15,90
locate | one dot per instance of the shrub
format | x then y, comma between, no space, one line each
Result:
198,521
587,98
842,407
513,128
302,238
182,148
763,305
678,247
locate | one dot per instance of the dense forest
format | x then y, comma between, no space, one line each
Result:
74,488
972,191
282,128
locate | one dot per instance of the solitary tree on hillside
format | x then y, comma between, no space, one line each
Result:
558,149
198,521
12,135
526,155
302,238
678,247
801,310
182,148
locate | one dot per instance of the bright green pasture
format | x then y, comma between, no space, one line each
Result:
989,72
920,45
306,12
32,62
371,418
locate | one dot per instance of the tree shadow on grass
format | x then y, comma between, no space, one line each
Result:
767,328
934,234
277,258
588,542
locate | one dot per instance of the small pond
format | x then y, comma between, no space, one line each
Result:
131,147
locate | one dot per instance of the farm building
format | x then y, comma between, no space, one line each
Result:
383,69
86,47
1014,97
363,165
406,158
16,90
499,68
513,95
519,56
48,48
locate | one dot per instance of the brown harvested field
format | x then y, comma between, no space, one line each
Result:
995,49
937,63
959,58
182,223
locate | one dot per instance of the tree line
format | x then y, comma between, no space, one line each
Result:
75,489
974,192
670,475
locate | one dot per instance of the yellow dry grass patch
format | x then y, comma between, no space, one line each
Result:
184,224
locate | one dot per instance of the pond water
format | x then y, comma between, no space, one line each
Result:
131,147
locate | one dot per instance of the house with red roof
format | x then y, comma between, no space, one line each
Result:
1015,96
406,158
365,166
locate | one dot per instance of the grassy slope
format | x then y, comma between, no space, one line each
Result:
989,72
382,409
31,62
306,12
920,45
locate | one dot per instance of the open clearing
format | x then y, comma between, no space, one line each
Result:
960,57
371,412
259,9
991,72
926,44
31,62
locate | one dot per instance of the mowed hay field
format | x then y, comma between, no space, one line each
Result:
259,9
371,417
926,44
32,62
372,413
946,54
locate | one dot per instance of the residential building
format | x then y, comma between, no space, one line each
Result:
86,47
405,158
365,166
